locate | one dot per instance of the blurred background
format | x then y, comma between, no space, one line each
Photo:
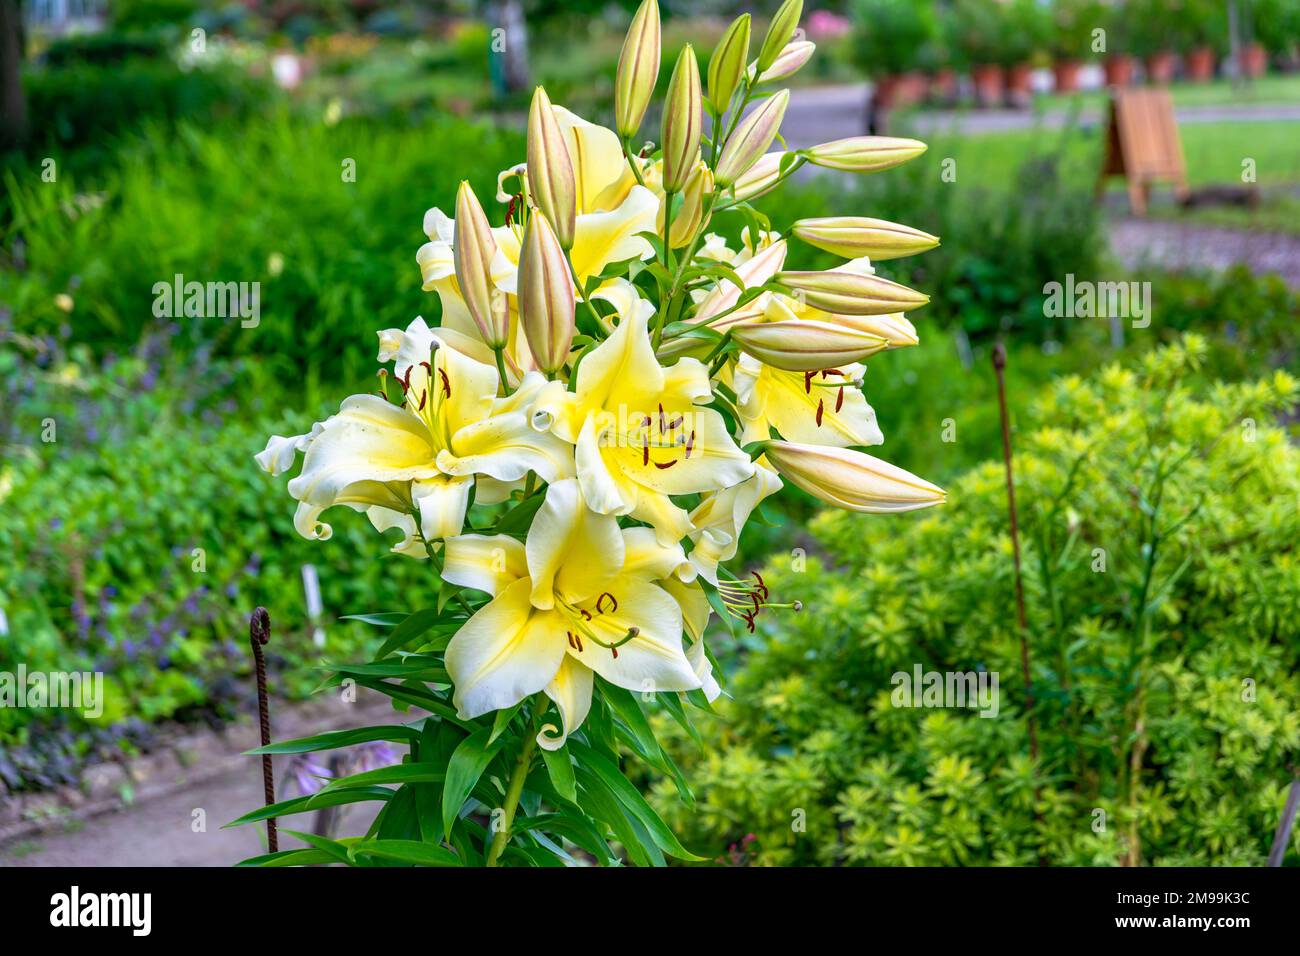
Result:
297,144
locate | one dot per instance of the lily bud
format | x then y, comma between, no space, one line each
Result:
690,215
805,345
855,236
865,154
851,480
779,32
789,62
683,121
638,70
759,179
473,248
894,329
727,65
751,139
546,296
551,183
849,293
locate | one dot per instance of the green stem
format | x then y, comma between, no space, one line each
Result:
501,369
516,787
631,161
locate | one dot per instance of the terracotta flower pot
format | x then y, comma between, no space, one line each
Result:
988,84
1254,61
1067,75
943,86
1160,67
911,88
1200,64
886,90
1019,84
1119,70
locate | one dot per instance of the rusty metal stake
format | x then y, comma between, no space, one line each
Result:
999,365
259,632
1282,838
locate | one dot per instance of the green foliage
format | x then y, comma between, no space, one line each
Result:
1158,527
891,36
236,203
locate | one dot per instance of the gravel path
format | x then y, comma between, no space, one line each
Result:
1138,243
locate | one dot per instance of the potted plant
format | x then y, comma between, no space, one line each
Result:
1205,35
1275,30
888,41
1119,64
1152,36
1026,32
979,32
1073,23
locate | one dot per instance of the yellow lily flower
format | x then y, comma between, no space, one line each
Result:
816,408
720,518
422,456
579,596
641,432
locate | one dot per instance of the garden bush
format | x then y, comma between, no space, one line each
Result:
1158,526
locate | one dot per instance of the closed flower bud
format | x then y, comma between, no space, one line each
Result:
850,293
727,65
546,296
751,138
683,120
894,329
551,182
790,61
473,248
803,345
851,480
638,70
759,179
855,236
779,33
865,154
690,215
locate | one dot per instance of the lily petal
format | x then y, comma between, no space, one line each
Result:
488,563
571,549
571,691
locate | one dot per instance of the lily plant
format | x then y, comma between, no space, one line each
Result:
610,393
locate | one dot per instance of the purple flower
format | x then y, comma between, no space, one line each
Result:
306,774
372,756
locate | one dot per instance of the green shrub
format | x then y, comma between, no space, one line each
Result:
1165,685
890,36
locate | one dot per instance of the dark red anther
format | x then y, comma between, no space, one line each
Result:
665,465
510,210
614,651
662,429
585,613
807,382
600,600
839,400
690,444
676,423
406,381
446,382
821,409
645,454
424,397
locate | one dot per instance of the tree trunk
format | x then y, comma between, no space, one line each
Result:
13,106
509,45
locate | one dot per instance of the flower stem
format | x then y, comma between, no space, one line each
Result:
501,369
516,786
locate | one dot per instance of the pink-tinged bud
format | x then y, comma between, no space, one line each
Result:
894,329
638,70
683,122
779,32
856,236
546,296
751,138
759,179
851,480
727,65
551,183
790,61
689,217
865,154
753,272
472,249
850,293
803,345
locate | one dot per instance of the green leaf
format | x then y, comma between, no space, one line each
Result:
335,848
397,733
576,829
382,619
502,720
402,773
400,818
517,520
408,630
299,857
312,801
467,764
559,766
592,763
407,851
